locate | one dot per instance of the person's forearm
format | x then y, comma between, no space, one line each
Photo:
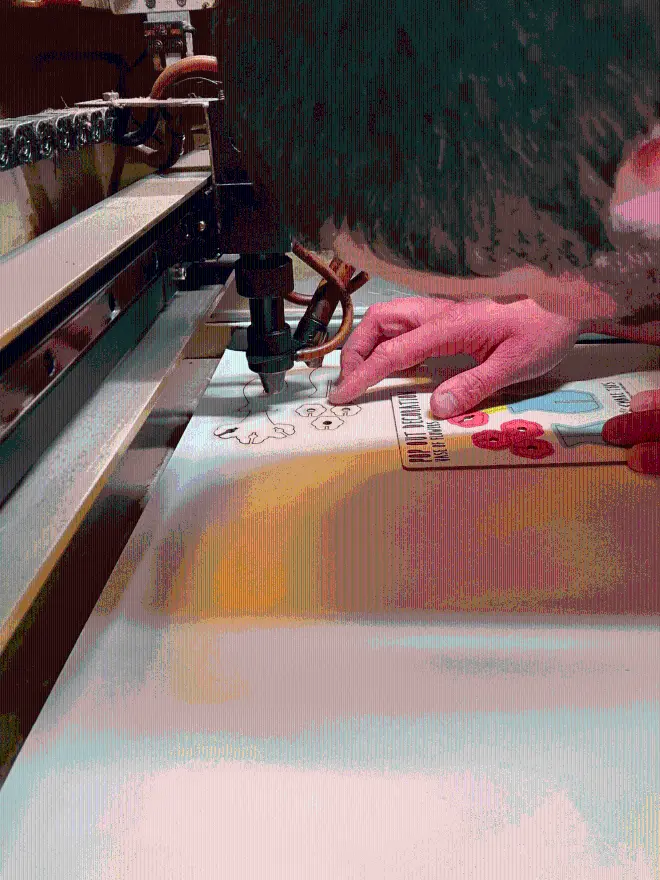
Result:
590,301
630,278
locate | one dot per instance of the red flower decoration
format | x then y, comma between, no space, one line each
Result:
470,420
522,428
533,447
491,440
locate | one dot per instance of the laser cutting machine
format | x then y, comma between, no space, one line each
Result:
133,283
140,539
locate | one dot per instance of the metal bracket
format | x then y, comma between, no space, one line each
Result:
169,37
153,103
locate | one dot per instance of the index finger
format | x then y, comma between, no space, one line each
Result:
385,321
376,326
410,349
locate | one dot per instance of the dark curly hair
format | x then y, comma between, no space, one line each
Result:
432,126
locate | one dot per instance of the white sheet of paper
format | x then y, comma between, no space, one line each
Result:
560,424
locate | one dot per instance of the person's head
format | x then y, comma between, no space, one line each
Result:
408,118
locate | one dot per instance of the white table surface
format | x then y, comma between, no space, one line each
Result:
272,686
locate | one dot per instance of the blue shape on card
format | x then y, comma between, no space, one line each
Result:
580,435
565,402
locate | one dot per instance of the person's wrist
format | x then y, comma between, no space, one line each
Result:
592,307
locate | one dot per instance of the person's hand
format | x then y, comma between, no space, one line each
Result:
511,343
639,429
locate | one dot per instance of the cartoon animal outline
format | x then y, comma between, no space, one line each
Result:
262,425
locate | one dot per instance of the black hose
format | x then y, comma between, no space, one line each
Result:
142,134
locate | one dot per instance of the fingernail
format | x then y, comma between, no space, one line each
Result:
444,406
